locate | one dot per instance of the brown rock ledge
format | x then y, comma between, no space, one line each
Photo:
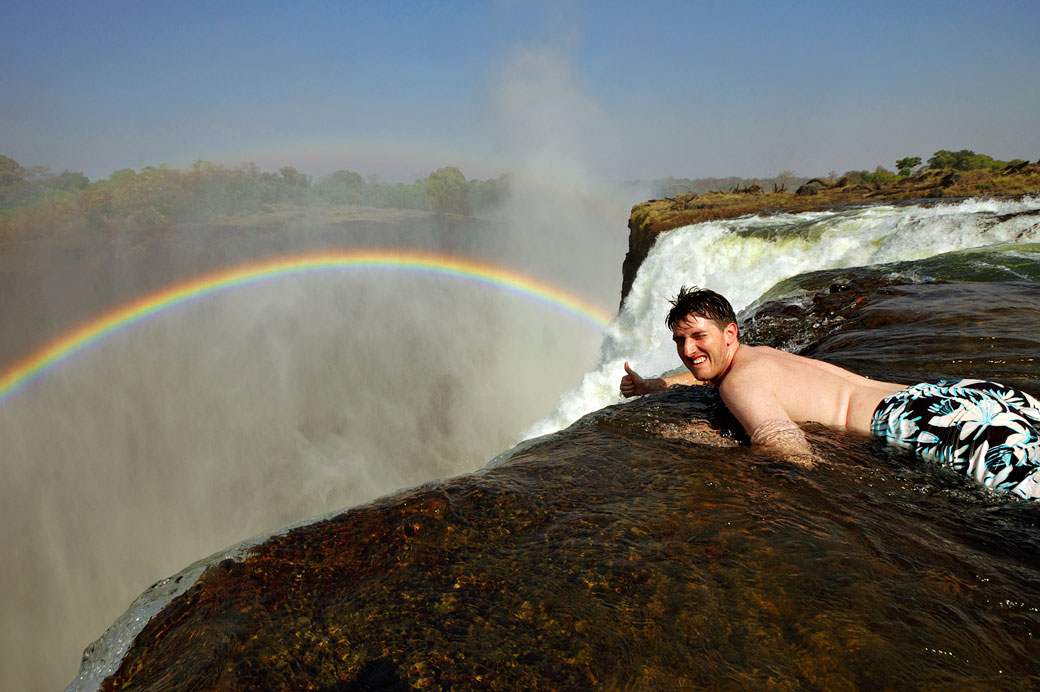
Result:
656,216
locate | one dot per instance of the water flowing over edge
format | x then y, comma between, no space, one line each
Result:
747,259
102,658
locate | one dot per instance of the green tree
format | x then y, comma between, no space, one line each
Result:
905,164
343,187
11,172
20,186
402,196
446,190
346,179
294,185
294,178
880,175
66,181
487,194
963,160
12,181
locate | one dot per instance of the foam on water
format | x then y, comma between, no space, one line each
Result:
743,258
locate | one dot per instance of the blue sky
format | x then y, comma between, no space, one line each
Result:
619,90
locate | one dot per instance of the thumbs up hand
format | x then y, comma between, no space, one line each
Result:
632,384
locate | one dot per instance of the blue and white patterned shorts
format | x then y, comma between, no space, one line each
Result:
985,430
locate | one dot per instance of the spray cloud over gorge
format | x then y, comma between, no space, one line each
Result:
564,217
506,555
234,415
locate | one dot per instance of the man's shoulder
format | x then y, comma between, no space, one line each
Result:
754,362
767,353
751,375
761,373
767,361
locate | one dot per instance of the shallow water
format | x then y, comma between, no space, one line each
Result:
646,547
634,551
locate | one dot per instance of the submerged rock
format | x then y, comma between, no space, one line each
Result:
647,547
635,550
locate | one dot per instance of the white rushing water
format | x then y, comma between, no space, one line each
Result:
743,258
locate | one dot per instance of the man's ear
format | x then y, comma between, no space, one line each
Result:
732,333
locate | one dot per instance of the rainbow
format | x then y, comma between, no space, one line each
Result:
71,343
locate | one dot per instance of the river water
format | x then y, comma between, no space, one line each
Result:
644,546
755,259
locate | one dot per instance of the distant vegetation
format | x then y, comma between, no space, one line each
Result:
23,186
672,187
159,195
907,164
963,160
967,160
789,181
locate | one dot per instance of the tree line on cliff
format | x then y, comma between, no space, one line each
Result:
963,160
157,195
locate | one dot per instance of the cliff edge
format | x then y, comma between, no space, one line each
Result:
650,219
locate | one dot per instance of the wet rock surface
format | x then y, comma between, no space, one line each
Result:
648,548
628,552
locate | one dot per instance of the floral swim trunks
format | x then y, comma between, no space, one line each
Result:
985,430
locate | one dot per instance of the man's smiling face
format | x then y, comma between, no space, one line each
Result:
703,347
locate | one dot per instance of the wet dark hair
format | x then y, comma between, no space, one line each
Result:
700,301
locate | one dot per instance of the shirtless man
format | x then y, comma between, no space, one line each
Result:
770,392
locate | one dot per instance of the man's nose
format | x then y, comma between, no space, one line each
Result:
689,348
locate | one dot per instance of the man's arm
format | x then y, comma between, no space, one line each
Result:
784,439
755,405
634,385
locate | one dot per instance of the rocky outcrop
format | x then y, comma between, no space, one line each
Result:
646,548
656,216
643,549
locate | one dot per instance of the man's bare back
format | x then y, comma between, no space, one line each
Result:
986,430
805,389
769,391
